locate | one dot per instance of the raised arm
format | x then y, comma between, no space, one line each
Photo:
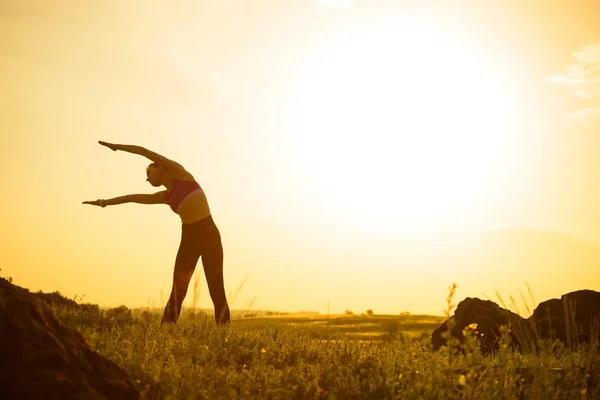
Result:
155,198
170,165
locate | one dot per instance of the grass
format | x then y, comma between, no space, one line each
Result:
376,327
303,358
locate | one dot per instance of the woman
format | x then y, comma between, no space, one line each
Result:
199,234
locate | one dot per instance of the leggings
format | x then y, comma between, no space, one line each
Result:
200,238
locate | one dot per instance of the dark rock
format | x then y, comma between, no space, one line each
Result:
489,317
573,319
42,358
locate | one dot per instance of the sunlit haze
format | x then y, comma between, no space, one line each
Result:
355,154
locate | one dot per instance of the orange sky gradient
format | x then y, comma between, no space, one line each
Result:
355,154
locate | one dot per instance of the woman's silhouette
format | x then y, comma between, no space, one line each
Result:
199,234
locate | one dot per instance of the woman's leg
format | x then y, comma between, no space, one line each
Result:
185,264
212,261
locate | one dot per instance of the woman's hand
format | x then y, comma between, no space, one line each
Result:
111,146
99,202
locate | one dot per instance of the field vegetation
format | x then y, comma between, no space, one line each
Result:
326,357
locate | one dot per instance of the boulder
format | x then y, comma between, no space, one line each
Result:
573,319
42,358
489,317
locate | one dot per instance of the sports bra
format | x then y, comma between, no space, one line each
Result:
180,190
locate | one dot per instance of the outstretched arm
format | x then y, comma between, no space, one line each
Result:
156,198
170,165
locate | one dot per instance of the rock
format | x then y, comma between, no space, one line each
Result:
570,319
489,317
42,358
573,319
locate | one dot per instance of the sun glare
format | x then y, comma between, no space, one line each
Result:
403,127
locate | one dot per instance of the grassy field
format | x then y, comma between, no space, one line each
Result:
355,327
306,357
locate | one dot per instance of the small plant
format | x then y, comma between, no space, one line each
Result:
9,279
196,295
452,343
391,329
119,315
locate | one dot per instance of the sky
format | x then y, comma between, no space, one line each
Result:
355,154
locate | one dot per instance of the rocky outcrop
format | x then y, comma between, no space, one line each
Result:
42,358
573,319
487,317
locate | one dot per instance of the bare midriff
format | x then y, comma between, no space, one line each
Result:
194,207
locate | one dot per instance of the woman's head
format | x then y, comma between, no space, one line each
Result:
155,174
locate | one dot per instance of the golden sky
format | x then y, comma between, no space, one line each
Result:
355,154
